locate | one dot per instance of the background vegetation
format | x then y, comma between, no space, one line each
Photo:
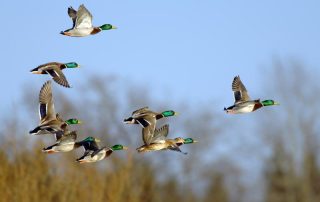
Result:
273,155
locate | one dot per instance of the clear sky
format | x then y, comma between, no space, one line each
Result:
190,48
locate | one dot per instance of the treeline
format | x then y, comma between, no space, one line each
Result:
29,175
290,174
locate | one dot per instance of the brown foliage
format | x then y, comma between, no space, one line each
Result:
27,174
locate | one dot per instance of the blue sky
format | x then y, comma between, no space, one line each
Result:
190,48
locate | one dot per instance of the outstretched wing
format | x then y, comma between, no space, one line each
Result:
145,122
240,91
46,107
148,130
58,76
73,15
138,112
177,149
160,134
84,18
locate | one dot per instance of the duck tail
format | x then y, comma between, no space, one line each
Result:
128,120
224,109
49,149
80,160
34,131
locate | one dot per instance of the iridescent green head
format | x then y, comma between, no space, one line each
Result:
91,139
269,103
118,147
169,113
72,65
189,141
107,27
73,121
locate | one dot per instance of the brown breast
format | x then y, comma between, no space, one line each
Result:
95,30
257,106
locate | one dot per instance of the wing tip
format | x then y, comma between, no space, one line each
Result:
237,77
66,85
46,88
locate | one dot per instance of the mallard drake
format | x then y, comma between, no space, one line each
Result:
93,153
243,103
142,116
147,119
65,141
82,23
50,122
159,142
55,70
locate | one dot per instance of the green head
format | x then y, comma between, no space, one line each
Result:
169,113
189,141
72,65
118,147
73,121
91,139
107,27
269,103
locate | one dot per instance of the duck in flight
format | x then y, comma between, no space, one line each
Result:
147,119
243,103
65,141
93,153
50,122
54,69
158,141
82,23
